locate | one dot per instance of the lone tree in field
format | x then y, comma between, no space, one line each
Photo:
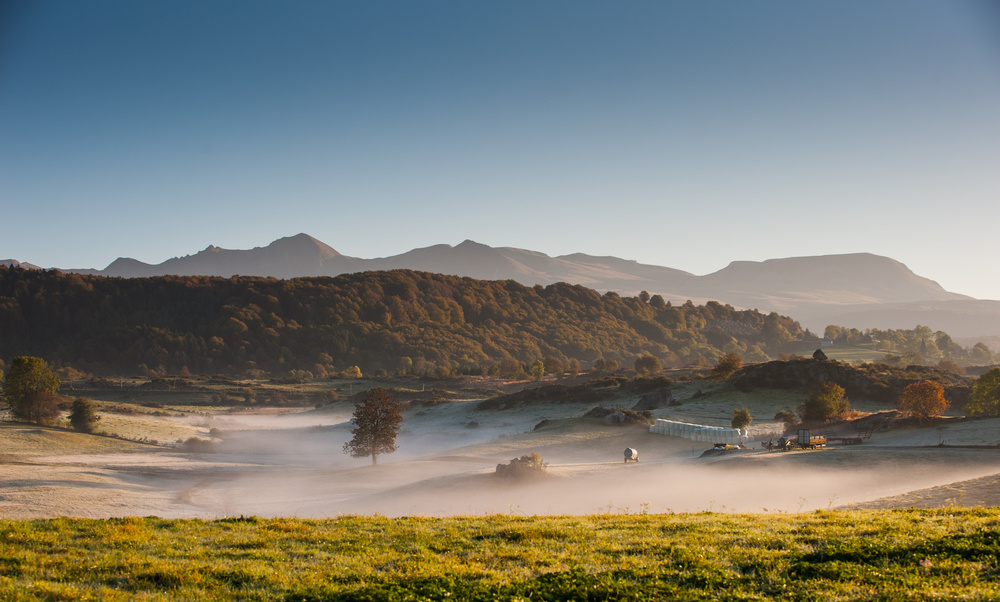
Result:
985,398
727,366
923,400
376,423
827,402
30,389
83,415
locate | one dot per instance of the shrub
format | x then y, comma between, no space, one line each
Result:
829,401
83,415
788,417
605,365
537,370
985,398
554,366
647,365
726,366
326,397
741,418
352,372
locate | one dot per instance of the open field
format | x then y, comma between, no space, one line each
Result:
289,462
898,555
842,353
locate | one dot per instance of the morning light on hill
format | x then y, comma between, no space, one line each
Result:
564,300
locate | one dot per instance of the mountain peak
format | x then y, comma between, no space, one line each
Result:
469,244
305,243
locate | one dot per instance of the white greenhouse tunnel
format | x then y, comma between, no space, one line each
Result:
699,432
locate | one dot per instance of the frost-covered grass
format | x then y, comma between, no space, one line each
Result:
858,555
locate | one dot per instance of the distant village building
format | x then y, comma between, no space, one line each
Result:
826,342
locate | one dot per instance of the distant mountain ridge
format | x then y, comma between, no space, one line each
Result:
13,263
853,288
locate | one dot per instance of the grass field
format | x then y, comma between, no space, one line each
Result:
840,555
842,353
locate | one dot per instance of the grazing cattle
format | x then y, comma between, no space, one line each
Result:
631,454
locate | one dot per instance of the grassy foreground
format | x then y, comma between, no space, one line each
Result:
857,555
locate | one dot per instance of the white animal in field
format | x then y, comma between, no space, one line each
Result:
631,454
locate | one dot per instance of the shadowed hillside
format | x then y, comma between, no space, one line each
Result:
394,321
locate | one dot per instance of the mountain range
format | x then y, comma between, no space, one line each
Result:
859,290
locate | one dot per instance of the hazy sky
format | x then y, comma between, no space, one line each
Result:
686,134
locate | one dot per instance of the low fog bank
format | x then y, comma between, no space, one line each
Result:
294,465
679,486
317,438
751,481
283,420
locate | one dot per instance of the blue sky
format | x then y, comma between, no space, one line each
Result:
686,134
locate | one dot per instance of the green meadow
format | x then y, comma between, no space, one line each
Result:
838,555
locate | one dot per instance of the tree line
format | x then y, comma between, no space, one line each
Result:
396,321
920,346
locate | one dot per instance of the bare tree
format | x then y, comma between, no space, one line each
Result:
376,423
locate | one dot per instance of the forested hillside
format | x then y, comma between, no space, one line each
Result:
394,321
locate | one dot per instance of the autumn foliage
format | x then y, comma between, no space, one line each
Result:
923,400
394,321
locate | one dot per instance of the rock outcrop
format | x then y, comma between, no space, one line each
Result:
617,417
657,399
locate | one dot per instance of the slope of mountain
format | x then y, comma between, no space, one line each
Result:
849,290
13,263
851,278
